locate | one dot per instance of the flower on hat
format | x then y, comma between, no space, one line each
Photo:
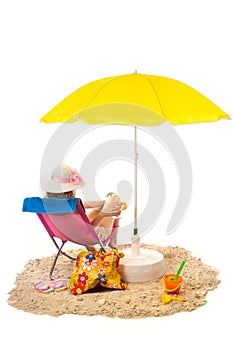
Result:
75,178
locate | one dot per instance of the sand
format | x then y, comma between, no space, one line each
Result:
139,300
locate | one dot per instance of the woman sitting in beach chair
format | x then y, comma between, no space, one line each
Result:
103,215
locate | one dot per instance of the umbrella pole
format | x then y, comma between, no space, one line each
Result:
135,183
135,238
140,265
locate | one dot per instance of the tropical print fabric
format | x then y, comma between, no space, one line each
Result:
96,268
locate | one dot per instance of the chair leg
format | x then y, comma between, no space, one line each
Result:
55,261
111,236
56,257
61,252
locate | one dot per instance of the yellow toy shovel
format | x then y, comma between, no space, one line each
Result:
165,298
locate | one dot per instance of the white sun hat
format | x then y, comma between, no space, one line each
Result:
62,179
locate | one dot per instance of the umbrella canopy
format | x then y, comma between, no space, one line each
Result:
135,99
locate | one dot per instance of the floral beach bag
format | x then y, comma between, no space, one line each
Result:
96,268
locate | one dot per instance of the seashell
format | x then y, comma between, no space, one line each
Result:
101,302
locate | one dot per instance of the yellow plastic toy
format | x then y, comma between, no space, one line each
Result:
165,298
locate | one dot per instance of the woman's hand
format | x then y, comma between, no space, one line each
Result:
113,209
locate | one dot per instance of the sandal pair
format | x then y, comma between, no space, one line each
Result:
44,287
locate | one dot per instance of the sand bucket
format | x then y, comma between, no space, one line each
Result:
171,286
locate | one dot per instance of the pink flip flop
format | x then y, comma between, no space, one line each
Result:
43,287
57,285
60,285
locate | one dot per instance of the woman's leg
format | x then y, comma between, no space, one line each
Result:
107,224
91,214
113,240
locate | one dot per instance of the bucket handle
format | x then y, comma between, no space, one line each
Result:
170,290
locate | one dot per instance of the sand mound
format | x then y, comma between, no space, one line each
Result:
137,301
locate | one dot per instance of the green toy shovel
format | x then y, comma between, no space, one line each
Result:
175,278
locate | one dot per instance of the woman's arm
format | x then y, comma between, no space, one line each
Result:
93,204
96,214
101,215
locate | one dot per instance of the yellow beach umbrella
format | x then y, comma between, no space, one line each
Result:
135,99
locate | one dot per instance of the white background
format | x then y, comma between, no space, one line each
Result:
49,49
